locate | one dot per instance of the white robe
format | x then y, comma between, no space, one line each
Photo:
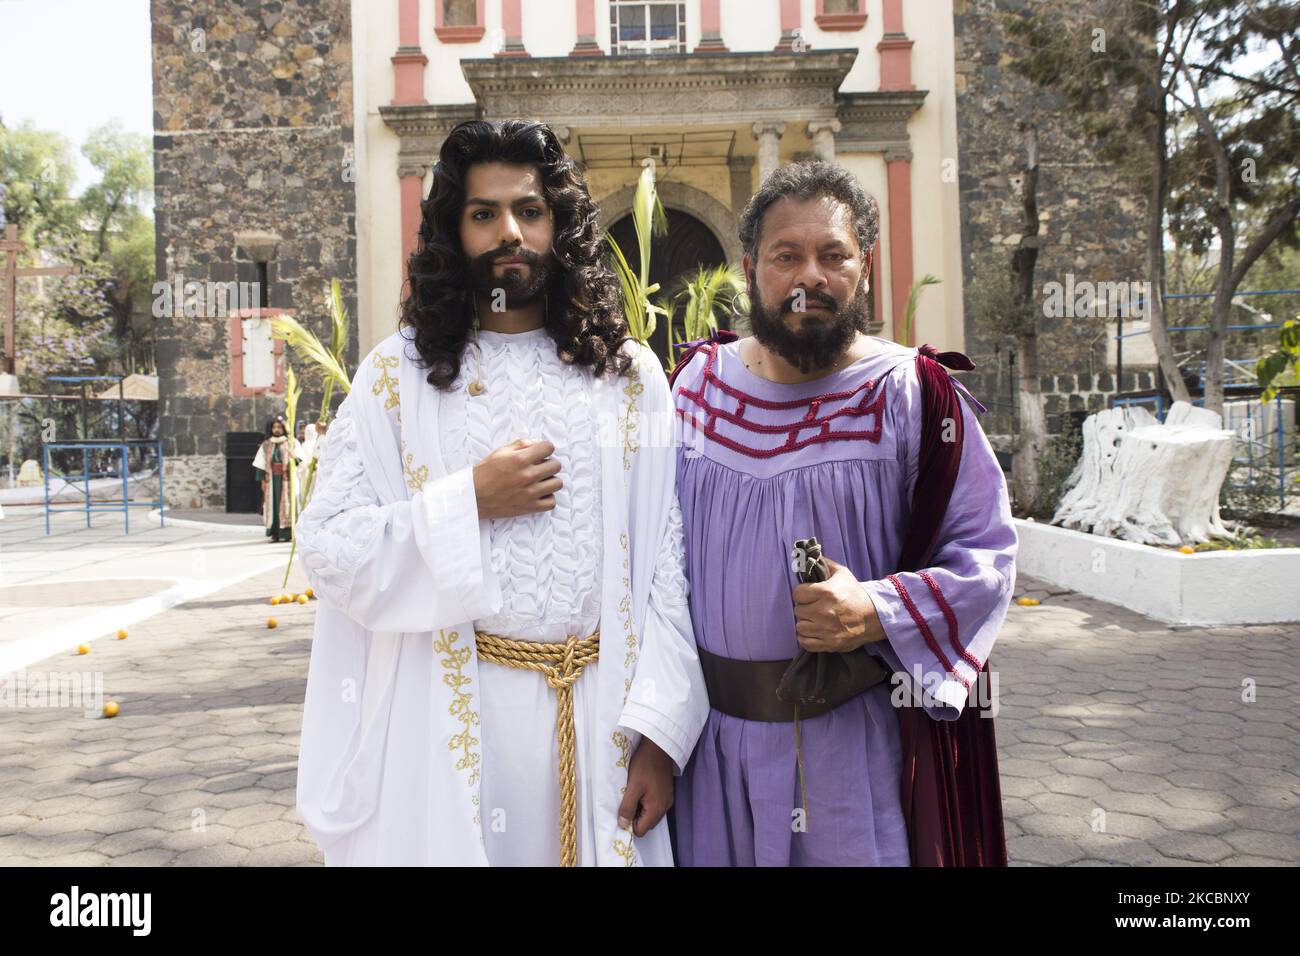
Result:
391,755
549,568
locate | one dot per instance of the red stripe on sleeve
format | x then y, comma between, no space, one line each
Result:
951,618
925,629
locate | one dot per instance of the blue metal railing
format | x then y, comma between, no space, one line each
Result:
85,447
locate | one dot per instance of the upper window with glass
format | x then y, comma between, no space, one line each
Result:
656,26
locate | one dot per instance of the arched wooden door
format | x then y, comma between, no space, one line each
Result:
688,246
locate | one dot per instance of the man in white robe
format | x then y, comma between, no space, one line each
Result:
419,746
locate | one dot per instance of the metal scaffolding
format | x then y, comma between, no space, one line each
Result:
86,445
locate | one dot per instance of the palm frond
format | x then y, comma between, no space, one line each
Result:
293,392
339,315
702,294
303,341
633,308
649,218
338,342
913,298
641,312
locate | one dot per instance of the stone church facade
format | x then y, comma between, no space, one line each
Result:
294,140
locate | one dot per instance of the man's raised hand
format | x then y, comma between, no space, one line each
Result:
517,479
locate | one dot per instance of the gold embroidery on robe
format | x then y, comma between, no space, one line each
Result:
626,851
461,706
415,477
386,382
625,748
625,611
631,416
624,848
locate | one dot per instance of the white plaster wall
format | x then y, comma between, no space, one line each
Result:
443,80
936,207
379,211
750,25
936,210
550,29
362,82
871,172
1220,587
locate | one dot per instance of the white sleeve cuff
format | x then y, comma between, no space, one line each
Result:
659,728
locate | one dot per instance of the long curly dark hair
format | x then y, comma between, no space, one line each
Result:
584,301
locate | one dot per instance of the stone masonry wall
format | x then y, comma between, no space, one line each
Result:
252,151
1090,227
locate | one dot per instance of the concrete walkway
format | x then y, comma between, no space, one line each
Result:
79,584
1114,721
1122,742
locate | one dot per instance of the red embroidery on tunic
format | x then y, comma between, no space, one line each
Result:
951,618
925,629
809,420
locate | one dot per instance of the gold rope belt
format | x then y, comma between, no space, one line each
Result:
561,664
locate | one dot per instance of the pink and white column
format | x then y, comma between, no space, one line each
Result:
710,28
586,45
512,22
896,74
408,90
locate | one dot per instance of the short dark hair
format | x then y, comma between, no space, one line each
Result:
809,180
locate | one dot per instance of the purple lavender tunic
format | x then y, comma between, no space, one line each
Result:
761,464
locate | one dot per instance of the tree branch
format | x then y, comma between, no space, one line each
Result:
1284,217
1263,84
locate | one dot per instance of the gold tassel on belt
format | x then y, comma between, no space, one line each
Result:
561,664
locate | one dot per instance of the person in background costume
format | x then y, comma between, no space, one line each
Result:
272,463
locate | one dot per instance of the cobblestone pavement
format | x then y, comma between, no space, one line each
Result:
1125,741
199,766
1122,741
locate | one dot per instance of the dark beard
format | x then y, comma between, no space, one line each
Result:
809,347
521,286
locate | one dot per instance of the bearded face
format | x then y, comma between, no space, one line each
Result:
810,330
521,274
507,231
808,282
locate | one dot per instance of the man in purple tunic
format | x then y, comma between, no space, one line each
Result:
813,428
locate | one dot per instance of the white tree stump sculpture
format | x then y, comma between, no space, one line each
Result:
1142,481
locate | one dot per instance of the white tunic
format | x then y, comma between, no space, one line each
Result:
548,565
413,752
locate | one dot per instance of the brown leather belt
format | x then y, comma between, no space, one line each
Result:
747,689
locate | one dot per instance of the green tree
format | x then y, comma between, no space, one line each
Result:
125,164
37,172
83,321
1211,89
118,236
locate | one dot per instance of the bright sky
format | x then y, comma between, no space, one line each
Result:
73,65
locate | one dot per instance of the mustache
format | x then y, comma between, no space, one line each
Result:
824,298
518,252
